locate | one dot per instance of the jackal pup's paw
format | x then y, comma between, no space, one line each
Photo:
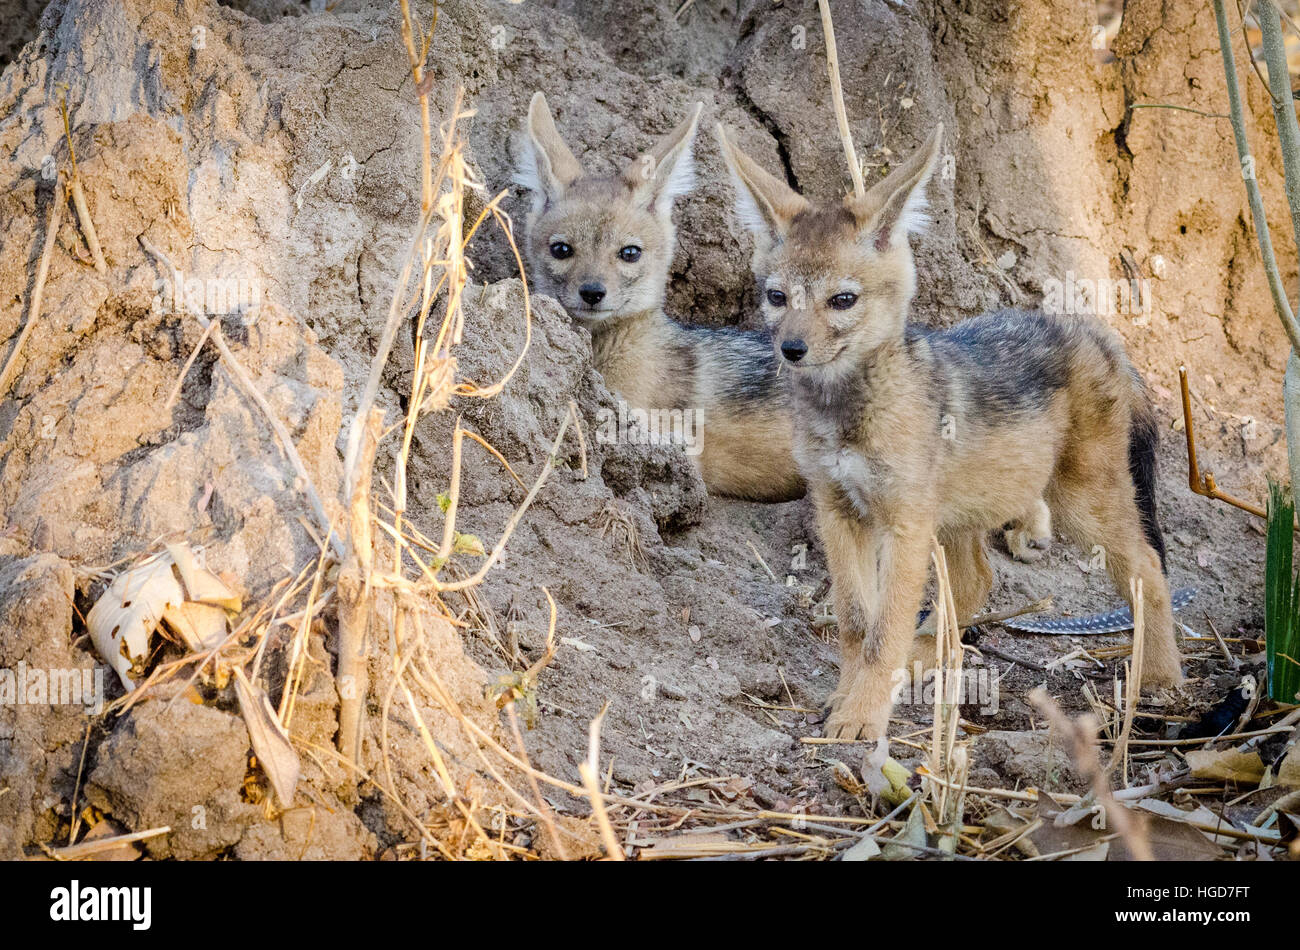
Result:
845,727
1028,537
1023,545
852,719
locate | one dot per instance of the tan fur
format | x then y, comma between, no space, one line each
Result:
654,362
728,377
905,433
1028,539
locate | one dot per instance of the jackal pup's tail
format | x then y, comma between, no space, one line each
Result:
1143,439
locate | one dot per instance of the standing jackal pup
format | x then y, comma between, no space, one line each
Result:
603,246
904,432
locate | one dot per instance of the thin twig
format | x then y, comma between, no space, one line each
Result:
543,809
837,98
354,588
1250,52
1133,682
87,848
1288,129
1009,657
79,195
185,370
997,616
38,289
1203,483
518,515
76,788
1170,105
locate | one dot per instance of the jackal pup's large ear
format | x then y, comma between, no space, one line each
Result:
764,204
896,207
667,171
547,167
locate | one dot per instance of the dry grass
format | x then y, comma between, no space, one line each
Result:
390,585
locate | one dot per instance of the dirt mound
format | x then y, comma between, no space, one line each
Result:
272,153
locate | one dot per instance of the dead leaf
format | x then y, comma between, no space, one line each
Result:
913,833
200,626
999,823
170,587
1254,808
864,850
124,618
1050,837
1171,838
275,753
1288,770
1097,852
1227,765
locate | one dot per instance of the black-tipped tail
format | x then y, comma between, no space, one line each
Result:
1144,437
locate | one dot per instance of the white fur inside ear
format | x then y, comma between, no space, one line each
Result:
751,219
528,172
680,180
915,216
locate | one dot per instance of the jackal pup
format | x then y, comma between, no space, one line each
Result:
603,246
905,432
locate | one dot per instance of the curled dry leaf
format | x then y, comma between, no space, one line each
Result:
201,585
170,587
846,780
126,615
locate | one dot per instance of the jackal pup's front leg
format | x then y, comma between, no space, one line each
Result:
878,576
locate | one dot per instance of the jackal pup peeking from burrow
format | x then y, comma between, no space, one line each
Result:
904,432
603,247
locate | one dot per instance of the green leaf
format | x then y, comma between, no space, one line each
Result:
1281,597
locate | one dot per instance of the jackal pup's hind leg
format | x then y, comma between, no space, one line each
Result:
971,578
1096,508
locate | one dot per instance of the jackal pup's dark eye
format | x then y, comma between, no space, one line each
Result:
843,301
776,298
560,250
630,254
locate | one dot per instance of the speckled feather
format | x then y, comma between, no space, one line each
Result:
1111,621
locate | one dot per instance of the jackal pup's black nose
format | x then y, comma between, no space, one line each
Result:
794,350
592,294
